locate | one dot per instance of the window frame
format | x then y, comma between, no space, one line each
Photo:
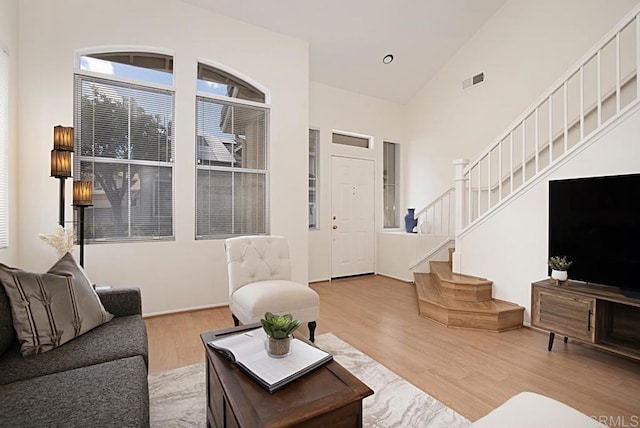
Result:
395,184
316,200
236,102
80,74
352,135
4,147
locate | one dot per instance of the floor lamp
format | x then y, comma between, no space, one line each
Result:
82,198
61,160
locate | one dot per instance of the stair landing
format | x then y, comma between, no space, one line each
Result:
448,299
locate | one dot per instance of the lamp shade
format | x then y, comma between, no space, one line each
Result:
82,193
60,163
63,138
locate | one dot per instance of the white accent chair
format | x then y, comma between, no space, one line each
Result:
260,281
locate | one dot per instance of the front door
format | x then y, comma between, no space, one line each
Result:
352,226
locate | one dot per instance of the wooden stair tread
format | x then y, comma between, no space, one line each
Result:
428,290
460,287
443,270
463,301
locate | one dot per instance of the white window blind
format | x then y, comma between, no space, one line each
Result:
231,165
314,162
124,143
4,149
391,192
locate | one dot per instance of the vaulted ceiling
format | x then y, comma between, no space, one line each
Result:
349,38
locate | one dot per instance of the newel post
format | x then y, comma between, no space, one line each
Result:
460,211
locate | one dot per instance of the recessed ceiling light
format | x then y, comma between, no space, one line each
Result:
388,59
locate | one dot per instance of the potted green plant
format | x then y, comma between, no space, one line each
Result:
559,266
279,329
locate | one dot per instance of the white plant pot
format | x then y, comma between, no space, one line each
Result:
560,275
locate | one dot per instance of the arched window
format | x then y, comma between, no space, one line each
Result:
215,81
124,144
231,156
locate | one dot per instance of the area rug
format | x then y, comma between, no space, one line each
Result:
178,397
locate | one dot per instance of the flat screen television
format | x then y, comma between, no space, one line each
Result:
595,222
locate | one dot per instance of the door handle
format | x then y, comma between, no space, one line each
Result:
334,227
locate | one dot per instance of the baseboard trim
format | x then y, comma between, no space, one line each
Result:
184,310
394,277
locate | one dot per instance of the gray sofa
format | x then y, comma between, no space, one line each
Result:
98,379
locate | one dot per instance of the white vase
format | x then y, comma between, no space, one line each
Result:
560,275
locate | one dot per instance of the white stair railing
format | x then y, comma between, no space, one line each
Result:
436,227
437,218
597,90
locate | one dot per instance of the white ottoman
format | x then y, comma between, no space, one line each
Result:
531,410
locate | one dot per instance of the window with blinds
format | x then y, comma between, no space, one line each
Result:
391,192
4,149
231,168
314,163
124,144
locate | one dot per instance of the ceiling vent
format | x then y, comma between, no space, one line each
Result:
473,81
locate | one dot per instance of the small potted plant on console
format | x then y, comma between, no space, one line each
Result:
279,328
559,266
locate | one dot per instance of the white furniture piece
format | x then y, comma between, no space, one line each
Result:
531,410
259,270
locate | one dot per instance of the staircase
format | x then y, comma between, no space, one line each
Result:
596,102
463,301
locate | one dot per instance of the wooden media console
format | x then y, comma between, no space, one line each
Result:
600,316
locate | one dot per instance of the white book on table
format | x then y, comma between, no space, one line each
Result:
248,350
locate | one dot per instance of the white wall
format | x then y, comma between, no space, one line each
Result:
336,109
490,250
9,41
184,273
523,49
400,254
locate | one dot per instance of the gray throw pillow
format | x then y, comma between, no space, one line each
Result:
51,308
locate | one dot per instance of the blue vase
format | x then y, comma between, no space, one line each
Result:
409,222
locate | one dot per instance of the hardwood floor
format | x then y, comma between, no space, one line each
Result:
174,340
470,371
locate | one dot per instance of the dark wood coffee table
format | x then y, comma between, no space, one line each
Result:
329,396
